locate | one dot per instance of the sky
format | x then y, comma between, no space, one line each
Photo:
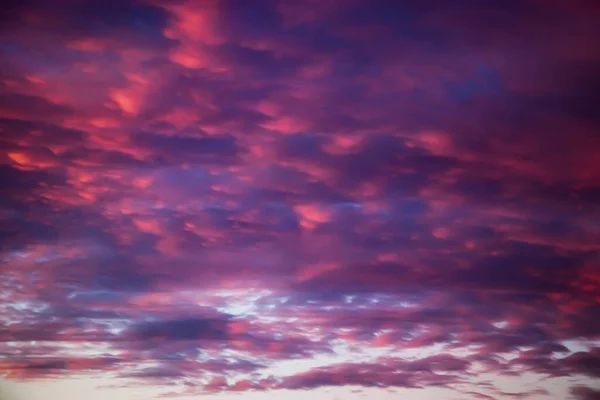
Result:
300,199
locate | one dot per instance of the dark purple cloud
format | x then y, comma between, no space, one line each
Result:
585,393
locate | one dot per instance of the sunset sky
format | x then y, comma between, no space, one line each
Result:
300,199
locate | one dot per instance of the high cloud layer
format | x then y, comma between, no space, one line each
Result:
258,196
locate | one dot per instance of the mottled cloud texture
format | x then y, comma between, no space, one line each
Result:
219,196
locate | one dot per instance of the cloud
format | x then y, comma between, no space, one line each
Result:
386,373
135,20
184,329
172,148
204,191
585,393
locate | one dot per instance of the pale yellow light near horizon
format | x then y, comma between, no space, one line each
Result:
87,389
90,389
